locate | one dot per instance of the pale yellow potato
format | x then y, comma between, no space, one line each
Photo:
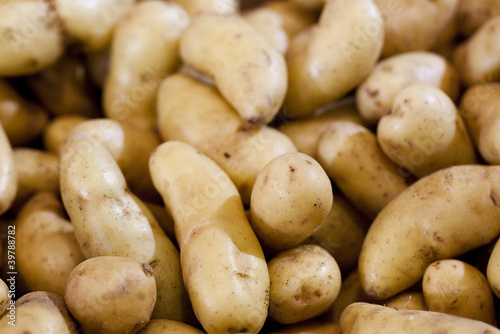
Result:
197,114
32,37
424,131
111,294
407,301
5,300
492,269
454,287
342,233
401,17
8,173
144,50
58,130
472,14
246,68
109,220
310,327
90,24
23,121
46,248
305,281
375,95
164,219
324,64
478,58
295,19
480,107
223,264
442,215
290,199
196,7
350,155
364,318
165,326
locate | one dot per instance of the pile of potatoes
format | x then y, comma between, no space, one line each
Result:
225,166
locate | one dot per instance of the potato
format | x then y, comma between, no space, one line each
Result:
47,250
472,14
197,114
58,130
310,327
311,5
164,326
144,50
492,273
477,59
305,281
219,251
290,199
400,19
424,132
455,287
350,155
294,18
408,301
480,108
369,318
5,298
442,215
248,71
375,95
23,121
111,294
196,7
324,65
109,220
8,173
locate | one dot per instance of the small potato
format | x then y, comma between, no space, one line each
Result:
247,70
111,294
442,215
457,288
196,7
164,326
407,301
5,298
424,132
375,96
58,130
290,199
324,65
364,318
350,155
8,173
472,14
305,281
310,327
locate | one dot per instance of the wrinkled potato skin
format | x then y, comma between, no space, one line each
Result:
290,199
196,7
324,65
310,327
214,236
364,318
407,301
164,326
442,215
111,294
144,50
8,173
305,281
350,155
424,132
58,130
375,95
473,14
457,288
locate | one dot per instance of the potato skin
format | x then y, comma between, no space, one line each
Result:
310,327
492,269
472,14
4,297
8,173
165,326
407,301
58,130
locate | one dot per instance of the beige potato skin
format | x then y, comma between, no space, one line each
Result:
310,327
219,250
4,297
47,250
472,14
492,269
58,130
457,288
480,107
8,173
246,68
311,5
305,281
424,132
364,318
197,114
144,50
290,199
407,301
375,95
109,220
324,65
111,294
164,326
440,216
350,155
196,7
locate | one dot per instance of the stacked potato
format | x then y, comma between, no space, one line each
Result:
281,166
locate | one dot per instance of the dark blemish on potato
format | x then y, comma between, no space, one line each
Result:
308,162
494,198
85,245
256,120
147,269
372,92
406,101
242,275
154,263
437,237
227,155
292,169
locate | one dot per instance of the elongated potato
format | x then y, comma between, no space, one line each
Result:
350,155
455,287
111,221
164,326
375,95
196,7
58,130
369,318
248,71
111,294
8,173
144,50
442,215
324,65
219,250
424,132
197,114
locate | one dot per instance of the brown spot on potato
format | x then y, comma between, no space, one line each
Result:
147,269
227,155
372,92
494,198
292,169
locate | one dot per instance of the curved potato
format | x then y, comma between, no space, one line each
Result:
8,173
219,250
164,326
440,216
